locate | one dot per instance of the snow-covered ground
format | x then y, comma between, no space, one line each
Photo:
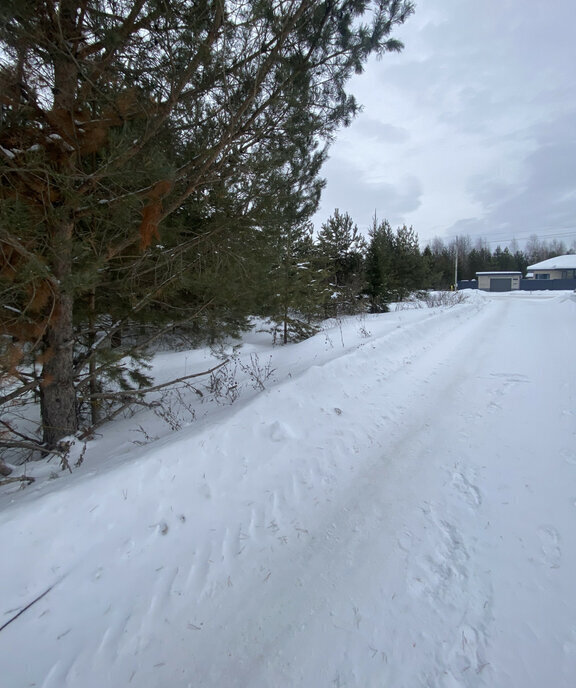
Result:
396,510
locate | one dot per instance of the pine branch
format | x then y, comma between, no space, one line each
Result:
19,479
87,432
147,390
30,446
16,433
18,392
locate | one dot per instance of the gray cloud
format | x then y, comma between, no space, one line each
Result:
381,131
476,118
352,191
545,203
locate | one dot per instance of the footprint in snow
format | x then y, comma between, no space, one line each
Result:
404,541
466,654
469,491
550,546
280,431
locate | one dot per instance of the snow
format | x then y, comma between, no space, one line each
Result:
8,153
396,509
567,262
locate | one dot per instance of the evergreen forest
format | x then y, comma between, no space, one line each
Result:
160,163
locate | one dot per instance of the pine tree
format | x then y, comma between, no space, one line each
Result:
294,286
408,265
502,259
479,260
394,265
341,250
117,116
379,266
440,264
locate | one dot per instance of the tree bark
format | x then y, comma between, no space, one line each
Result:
57,390
94,386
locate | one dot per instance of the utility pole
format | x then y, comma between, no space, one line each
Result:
456,267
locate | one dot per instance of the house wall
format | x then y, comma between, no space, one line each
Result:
555,274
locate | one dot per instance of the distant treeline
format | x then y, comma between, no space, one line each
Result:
390,264
477,256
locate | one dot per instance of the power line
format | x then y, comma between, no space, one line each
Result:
501,237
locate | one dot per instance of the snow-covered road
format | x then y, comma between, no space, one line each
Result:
396,512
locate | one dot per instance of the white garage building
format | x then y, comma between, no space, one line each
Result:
499,281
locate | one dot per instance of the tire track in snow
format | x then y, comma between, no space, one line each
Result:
400,494
301,599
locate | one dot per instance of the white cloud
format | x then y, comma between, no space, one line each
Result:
361,194
475,118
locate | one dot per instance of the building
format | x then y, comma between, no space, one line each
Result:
499,281
561,267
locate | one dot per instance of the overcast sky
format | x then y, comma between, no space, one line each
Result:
471,129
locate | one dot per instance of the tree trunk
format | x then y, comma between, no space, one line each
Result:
57,390
95,403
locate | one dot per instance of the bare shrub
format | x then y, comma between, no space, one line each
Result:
258,372
223,386
363,331
444,298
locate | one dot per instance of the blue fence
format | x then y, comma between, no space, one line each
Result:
547,285
529,284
